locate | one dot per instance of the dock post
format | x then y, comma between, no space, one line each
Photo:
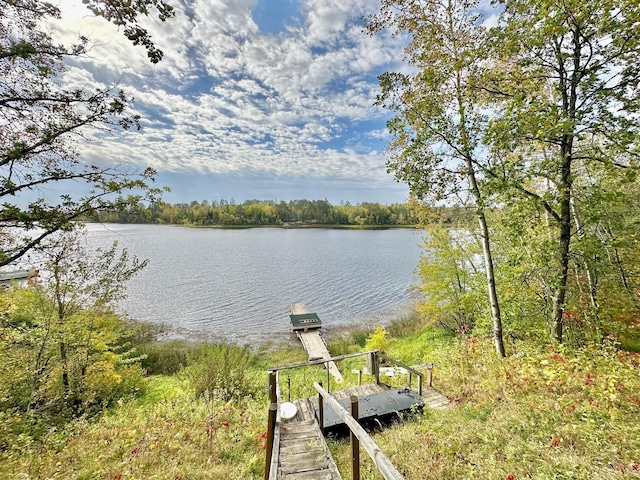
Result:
326,365
355,443
271,429
373,366
430,375
409,379
273,394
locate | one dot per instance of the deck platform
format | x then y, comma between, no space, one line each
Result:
307,407
302,450
299,449
434,399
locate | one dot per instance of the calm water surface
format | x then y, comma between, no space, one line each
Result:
238,284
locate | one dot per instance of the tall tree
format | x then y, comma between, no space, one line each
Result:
39,117
567,76
438,124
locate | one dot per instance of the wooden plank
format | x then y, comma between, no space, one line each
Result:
303,452
299,447
304,462
434,399
305,410
313,475
314,344
15,275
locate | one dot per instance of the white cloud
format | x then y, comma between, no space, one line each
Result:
228,98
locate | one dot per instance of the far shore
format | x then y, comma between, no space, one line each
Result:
304,226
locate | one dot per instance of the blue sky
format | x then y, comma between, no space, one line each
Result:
265,99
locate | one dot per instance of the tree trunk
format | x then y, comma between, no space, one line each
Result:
65,368
475,189
562,254
491,286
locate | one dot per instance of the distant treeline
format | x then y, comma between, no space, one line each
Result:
269,212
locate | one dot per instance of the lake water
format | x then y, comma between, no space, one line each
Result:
238,285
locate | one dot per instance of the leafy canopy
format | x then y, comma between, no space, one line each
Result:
40,117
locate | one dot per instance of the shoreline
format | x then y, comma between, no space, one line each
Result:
167,333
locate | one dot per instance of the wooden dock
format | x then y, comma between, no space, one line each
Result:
296,447
314,344
301,450
6,277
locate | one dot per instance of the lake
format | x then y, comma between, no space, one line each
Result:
237,284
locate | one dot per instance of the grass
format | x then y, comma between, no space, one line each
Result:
542,413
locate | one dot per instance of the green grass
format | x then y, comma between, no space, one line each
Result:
542,413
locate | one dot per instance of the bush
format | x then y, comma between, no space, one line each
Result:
341,346
224,370
106,382
164,358
359,337
377,340
405,326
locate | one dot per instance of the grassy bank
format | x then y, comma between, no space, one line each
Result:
541,413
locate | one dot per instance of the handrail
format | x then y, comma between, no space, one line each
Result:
382,462
400,364
408,369
376,372
273,428
320,361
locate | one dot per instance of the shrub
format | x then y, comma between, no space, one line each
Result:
405,326
164,358
359,337
340,346
377,340
224,370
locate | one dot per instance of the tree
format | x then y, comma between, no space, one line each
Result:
62,330
39,117
566,76
438,125
450,282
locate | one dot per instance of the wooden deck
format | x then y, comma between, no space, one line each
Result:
314,344
303,453
306,406
434,399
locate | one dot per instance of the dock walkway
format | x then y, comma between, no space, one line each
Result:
314,344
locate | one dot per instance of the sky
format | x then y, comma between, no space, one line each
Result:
254,99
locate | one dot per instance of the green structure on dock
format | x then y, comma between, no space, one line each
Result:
305,321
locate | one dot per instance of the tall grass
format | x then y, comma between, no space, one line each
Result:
542,413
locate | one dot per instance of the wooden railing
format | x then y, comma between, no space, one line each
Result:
358,436
273,428
373,367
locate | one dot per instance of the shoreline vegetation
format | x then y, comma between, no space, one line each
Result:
199,411
292,214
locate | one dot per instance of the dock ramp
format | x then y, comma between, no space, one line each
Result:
307,326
